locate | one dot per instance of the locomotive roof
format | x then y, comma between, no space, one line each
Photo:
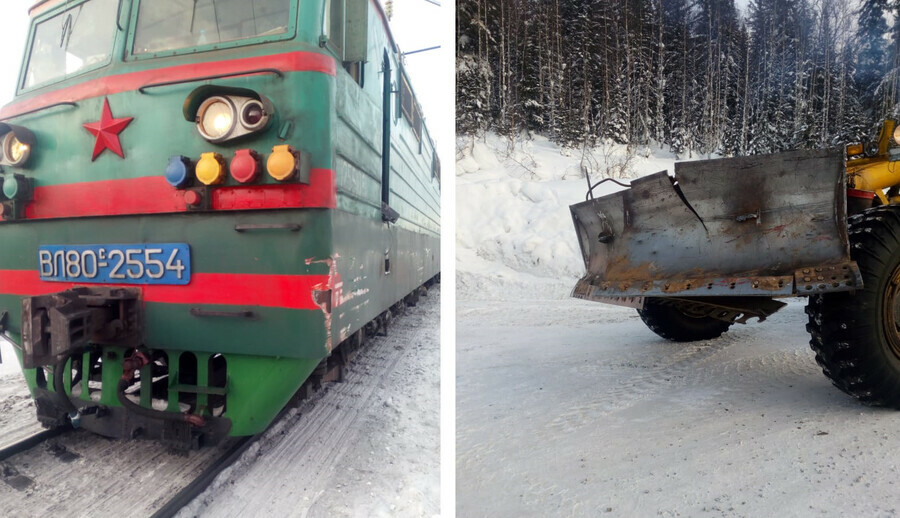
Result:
41,6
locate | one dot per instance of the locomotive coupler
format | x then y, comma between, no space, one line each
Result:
57,324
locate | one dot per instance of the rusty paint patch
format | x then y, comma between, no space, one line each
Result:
327,294
813,279
822,279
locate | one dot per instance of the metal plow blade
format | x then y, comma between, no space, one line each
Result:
771,225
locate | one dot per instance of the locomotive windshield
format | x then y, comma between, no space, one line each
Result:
164,25
73,41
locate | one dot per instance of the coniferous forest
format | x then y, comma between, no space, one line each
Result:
692,75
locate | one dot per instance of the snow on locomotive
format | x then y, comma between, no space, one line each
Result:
202,204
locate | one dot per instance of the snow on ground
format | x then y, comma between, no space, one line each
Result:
567,408
574,408
17,415
10,365
368,446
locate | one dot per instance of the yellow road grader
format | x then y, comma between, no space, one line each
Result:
721,240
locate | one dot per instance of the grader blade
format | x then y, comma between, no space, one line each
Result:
767,226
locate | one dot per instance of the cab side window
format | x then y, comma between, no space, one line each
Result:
345,31
334,26
410,108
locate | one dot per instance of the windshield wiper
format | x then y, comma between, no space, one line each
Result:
193,15
66,28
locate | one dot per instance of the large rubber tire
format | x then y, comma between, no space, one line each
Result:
672,324
856,337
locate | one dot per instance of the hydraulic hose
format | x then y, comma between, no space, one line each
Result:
58,371
195,420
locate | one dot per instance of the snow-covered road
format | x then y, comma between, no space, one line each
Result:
573,408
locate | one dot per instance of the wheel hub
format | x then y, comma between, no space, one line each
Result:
891,312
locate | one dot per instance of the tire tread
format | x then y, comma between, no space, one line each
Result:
844,328
671,324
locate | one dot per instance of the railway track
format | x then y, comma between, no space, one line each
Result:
30,442
55,443
15,479
58,443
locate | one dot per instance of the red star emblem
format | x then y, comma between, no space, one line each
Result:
107,132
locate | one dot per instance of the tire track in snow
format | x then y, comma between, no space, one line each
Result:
650,382
691,367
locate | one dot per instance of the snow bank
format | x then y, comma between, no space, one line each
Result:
514,233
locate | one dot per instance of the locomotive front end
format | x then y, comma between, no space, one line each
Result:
166,268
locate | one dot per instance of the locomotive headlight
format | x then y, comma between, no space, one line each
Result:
16,144
897,135
216,118
15,151
222,123
224,114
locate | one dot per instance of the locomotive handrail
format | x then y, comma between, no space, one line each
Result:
293,227
273,71
197,312
29,112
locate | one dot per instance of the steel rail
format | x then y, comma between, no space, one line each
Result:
30,442
199,484
191,491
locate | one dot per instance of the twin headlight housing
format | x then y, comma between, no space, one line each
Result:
221,118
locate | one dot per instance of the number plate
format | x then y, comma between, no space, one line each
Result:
162,263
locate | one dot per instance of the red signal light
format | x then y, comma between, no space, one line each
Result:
245,166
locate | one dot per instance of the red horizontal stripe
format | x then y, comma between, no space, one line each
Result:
856,193
237,289
153,195
287,62
321,192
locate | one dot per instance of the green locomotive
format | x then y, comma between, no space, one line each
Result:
203,202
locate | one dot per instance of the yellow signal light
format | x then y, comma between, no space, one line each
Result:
210,169
282,163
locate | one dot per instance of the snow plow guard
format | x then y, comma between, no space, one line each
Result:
766,226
